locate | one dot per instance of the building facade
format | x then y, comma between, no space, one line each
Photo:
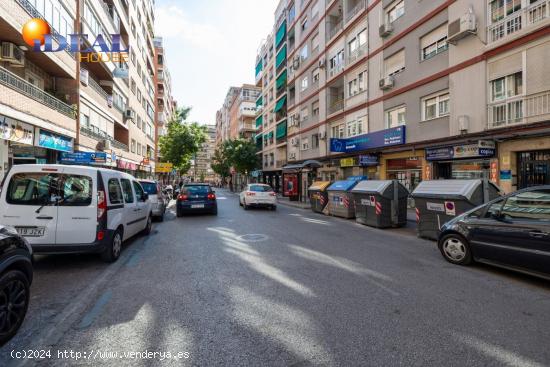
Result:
56,104
414,90
201,170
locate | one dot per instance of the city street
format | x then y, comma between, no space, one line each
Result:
282,288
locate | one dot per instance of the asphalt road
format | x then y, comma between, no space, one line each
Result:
284,288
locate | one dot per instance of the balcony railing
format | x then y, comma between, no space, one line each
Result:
356,9
281,163
245,126
337,27
519,110
335,70
119,145
518,20
95,86
357,54
336,105
20,85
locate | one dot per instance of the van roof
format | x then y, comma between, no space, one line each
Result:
41,167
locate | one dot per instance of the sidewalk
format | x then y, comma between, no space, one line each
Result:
281,200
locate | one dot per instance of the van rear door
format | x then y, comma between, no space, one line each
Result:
77,209
28,203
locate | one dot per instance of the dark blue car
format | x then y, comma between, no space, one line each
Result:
196,198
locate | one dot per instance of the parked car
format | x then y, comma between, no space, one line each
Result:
158,199
511,232
196,198
258,195
15,280
74,209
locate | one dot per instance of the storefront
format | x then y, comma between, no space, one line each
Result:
464,161
362,165
406,167
524,163
273,179
100,159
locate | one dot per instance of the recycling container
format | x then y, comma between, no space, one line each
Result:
439,201
380,204
318,195
340,198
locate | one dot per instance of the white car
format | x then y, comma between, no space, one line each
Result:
74,209
258,195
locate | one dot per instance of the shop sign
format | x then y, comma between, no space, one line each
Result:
505,174
290,182
494,170
164,167
368,160
145,161
483,148
130,166
83,158
347,162
53,141
16,131
377,139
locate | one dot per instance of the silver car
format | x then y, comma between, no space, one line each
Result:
157,198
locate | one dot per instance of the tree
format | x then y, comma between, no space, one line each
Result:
220,162
182,141
242,155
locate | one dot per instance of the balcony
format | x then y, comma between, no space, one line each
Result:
521,19
357,54
12,81
358,7
246,126
281,163
519,110
336,70
333,29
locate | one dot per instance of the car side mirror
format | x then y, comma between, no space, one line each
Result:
145,196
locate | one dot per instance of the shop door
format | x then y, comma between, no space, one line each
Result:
534,168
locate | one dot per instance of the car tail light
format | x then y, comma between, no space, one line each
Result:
101,204
272,194
250,194
100,235
182,197
211,196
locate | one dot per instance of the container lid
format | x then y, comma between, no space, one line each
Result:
448,188
372,186
342,185
319,185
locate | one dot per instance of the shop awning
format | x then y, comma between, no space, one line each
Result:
280,131
281,80
281,56
280,36
299,166
259,67
280,103
260,101
259,121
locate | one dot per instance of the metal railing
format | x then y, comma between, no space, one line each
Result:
519,110
10,80
119,145
518,20
356,9
336,106
335,29
95,86
336,70
357,54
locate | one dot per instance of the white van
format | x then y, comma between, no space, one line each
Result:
74,209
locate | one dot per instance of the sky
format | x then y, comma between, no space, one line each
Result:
211,45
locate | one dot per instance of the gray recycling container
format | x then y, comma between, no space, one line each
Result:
381,204
439,201
318,196
340,198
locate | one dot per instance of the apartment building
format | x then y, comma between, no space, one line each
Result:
56,104
165,105
414,90
201,171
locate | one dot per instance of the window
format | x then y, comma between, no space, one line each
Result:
362,77
315,141
315,75
338,131
395,117
315,10
304,24
75,190
531,205
304,113
84,120
395,11
352,87
304,83
127,190
139,96
315,42
362,38
32,189
435,106
115,192
355,127
508,86
352,45
305,144
303,53
434,42
139,191
139,122
133,146
395,63
501,8
315,108
133,85
138,149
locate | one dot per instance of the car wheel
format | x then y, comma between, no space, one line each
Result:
240,202
14,302
455,249
244,205
149,226
113,249
179,213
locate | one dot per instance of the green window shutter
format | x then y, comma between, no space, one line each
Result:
270,135
259,67
281,56
280,104
280,36
281,80
281,130
259,101
259,121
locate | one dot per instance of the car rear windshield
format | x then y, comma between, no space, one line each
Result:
149,187
197,189
260,188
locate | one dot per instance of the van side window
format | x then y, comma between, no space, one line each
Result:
33,189
75,190
127,190
115,192
139,191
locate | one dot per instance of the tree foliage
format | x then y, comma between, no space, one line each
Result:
220,162
237,153
182,141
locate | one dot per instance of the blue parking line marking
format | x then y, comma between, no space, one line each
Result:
90,317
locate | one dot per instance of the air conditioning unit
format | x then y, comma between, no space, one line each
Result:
321,63
323,135
292,156
296,63
84,76
463,123
107,144
294,142
387,82
12,54
129,114
385,29
462,27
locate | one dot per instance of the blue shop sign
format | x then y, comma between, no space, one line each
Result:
377,139
368,160
436,154
50,140
83,158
